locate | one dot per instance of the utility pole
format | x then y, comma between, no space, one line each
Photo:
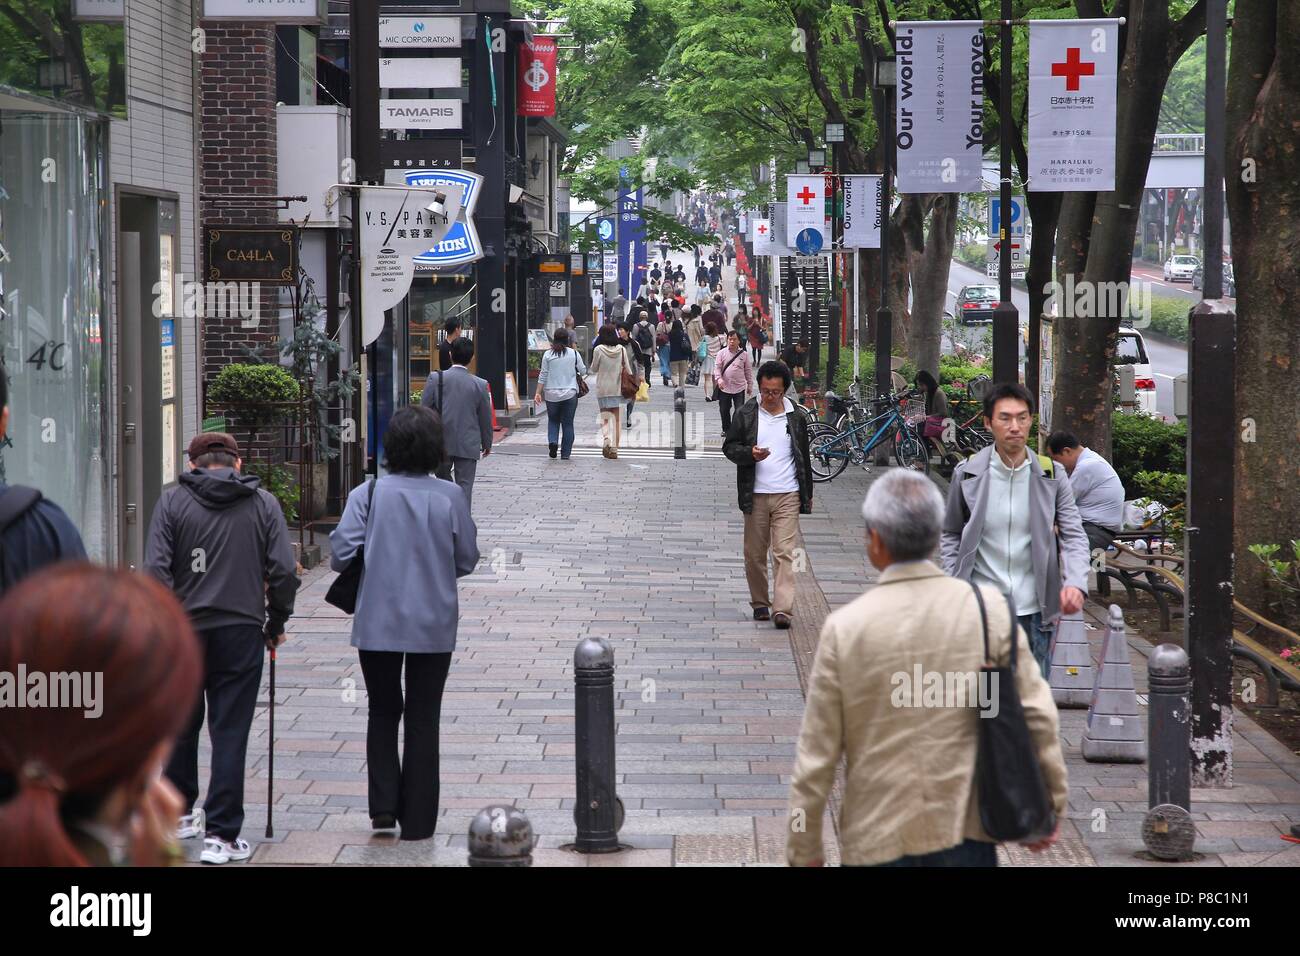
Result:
1211,416
886,78
1006,319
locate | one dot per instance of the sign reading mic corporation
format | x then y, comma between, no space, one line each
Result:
429,32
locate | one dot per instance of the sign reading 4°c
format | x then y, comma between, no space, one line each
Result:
605,228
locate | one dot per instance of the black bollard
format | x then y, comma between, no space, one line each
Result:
1169,726
679,423
596,810
501,836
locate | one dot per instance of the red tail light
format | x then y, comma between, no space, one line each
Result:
1144,384
970,305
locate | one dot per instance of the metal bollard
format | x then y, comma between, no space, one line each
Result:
501,836
679,423
1169,683
597,812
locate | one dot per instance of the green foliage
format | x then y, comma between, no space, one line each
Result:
282,482
534,361
416,395
253,385
1169,317
1167,487
1284,584
973,254
1145,444
32,31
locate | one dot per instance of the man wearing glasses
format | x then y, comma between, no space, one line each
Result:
769,445
1011,521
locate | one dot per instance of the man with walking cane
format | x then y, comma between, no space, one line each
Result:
221,544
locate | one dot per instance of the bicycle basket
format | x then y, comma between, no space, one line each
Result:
913,410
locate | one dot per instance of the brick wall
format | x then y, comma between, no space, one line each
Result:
238,147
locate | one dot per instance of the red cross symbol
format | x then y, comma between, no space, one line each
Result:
1073,68
807,195
762,229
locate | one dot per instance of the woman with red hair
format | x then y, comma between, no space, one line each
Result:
81,773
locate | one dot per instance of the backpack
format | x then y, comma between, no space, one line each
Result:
644,336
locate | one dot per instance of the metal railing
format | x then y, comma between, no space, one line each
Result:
1186,143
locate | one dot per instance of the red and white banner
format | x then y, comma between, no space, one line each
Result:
805,207
760,234
536,87
1073,74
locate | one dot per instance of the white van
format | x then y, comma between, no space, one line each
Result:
1132,350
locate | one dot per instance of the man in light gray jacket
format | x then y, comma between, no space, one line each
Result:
461,400
1011,522
221,544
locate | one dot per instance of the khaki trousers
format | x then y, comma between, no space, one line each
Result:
774,524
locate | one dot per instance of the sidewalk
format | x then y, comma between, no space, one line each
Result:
645,551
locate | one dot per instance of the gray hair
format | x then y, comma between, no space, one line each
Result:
906,510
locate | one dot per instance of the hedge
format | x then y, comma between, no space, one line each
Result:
1144,444
1168,317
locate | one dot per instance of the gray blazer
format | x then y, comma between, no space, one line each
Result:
466,414
419,539
1051,502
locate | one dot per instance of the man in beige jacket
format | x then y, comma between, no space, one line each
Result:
895,689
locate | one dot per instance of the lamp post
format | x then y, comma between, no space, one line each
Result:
886,79
834,136
1006,318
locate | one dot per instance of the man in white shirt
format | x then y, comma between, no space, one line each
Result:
1098,492
768,442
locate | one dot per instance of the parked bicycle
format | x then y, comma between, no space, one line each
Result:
831,449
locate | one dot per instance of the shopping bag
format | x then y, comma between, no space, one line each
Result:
643,392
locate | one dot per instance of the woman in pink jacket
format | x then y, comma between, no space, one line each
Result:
733,373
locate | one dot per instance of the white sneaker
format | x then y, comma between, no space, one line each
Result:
217,850
191,826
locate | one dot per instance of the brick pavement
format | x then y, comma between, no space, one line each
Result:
646,552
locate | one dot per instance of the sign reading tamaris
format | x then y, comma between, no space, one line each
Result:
251,253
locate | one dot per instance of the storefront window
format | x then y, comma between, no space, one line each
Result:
432,302
52,48
53,211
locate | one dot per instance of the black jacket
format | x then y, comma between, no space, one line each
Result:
741,439
221,544
679,345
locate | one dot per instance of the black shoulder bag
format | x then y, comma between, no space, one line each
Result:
1009,782
343,592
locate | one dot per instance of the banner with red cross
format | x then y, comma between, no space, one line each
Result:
1073,73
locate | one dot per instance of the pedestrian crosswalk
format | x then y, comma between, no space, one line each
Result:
648,454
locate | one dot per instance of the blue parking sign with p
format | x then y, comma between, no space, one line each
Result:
1015,221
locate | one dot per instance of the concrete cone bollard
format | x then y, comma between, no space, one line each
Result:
1072,676
1114,730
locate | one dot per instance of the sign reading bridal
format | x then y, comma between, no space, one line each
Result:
940,106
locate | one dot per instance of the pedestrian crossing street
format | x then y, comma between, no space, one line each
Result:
647,454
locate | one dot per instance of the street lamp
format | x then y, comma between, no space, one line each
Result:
886,80
816,158
801,167
834,133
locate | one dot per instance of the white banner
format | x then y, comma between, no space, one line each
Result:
1073,73
862,195
393,227
778,245
419,73
760,234
419,114
805,203
940,106
611,267
433,32
279,11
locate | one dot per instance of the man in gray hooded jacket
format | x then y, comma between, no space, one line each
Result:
221,544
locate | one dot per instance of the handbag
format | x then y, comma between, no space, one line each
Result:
582,382
702,350
627,384
343,592
933,427
1012,795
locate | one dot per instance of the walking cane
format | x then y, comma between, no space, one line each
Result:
270,777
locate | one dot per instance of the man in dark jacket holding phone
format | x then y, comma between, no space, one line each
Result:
221,544
768,441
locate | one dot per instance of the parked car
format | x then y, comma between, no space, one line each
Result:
975,303
1229,281
1132,350
1178,268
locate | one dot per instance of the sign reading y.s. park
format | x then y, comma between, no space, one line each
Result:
251,253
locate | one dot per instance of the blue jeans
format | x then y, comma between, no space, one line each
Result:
557,414
663,361
1040,640
967,853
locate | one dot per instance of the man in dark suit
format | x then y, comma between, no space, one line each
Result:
461,400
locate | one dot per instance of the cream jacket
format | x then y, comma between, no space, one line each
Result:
909,783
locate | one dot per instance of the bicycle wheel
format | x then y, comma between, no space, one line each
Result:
826,466
910,450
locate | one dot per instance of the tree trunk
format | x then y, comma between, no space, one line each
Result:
1263,115
1044,214
930,269
1086,350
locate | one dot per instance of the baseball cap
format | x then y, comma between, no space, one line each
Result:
213,441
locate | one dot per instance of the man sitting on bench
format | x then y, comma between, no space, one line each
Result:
1098,492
